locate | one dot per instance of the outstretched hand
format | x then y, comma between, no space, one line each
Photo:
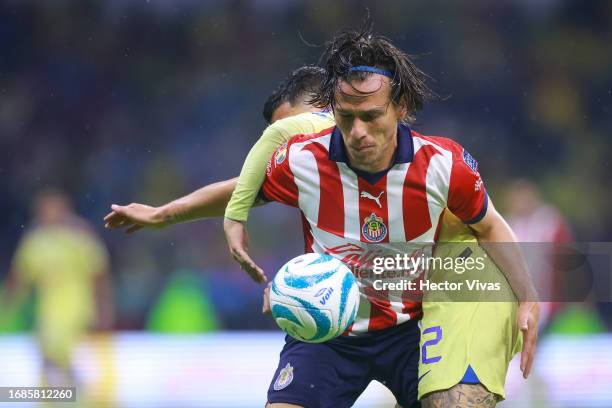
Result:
238,242
133,217
528,316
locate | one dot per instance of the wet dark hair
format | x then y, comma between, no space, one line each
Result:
350,48
302,84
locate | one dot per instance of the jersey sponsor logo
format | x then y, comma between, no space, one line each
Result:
354,256
365,194
281,154
374,229
284,378
478,184
470,161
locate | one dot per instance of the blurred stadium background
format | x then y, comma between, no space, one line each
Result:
143,101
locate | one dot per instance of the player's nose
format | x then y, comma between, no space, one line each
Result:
358,130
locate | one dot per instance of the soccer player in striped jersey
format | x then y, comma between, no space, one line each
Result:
200,204
385,188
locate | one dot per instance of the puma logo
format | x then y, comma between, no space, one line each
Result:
365,194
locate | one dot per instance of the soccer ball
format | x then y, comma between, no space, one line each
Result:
314,298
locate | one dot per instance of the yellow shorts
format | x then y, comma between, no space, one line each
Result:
476,329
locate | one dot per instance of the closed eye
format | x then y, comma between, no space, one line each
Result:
367,117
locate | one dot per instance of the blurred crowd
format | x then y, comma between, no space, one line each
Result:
118,102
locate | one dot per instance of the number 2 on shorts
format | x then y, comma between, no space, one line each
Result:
438,331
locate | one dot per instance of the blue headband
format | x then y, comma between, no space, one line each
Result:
374,70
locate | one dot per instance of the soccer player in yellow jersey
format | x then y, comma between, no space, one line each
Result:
66,264
451,379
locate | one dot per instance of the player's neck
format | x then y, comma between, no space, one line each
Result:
378,167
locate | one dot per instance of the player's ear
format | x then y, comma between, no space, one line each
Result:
401,109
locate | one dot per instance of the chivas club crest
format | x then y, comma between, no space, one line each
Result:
374,229
284,378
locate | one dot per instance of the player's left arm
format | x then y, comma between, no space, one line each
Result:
206,202
468,200
495,235
497,238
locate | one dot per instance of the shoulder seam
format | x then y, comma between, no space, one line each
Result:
442,142
305,137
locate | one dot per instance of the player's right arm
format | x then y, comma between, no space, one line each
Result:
278,185
251,179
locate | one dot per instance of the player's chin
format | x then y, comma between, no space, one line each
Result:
364,157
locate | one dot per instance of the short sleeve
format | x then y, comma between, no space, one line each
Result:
252,174
467,198
279,184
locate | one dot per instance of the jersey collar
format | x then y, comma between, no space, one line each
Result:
405,148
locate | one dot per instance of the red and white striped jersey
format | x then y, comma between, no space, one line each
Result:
357,216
